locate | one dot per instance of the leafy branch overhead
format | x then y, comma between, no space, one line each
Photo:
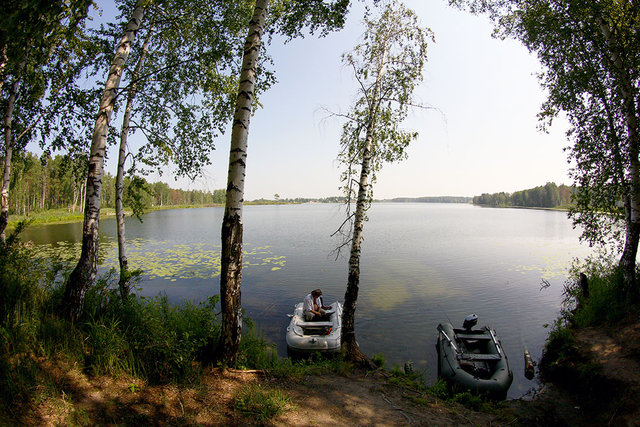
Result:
590,53
387,67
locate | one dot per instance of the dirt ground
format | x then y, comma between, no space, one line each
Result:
611,394
333,400
329,400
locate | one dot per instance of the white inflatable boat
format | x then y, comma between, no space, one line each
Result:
317,335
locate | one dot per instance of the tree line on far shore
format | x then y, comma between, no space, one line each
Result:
549,195
46,182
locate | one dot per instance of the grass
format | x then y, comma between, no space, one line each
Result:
261,404
148,338
607,304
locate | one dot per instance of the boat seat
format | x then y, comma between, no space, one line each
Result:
473,337
314,324
479,357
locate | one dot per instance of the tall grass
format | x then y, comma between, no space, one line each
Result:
608,300
146,337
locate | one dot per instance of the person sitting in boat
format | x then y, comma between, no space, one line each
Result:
318,303
311,310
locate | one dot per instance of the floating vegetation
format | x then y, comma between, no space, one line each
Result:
160,259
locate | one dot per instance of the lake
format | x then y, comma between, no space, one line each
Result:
421,264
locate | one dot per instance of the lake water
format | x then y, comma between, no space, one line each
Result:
421,264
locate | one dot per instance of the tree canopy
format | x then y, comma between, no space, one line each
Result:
590,51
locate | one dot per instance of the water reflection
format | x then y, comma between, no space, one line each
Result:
421,264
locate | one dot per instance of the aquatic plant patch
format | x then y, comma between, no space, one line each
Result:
160,259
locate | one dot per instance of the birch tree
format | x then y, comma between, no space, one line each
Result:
387,67
288,18
85,271
179,95
34,40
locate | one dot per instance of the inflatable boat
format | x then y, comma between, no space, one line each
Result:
312,336
473,359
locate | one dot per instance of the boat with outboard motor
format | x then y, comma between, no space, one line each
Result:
322,335
473,358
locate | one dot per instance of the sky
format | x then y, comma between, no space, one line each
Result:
482,135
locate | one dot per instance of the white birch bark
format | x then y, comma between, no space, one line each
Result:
352,350
231,259
122,156
8,153
85,272
632,205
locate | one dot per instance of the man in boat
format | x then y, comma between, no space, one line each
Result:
318,300
311,309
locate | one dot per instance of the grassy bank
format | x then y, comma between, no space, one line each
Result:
591,352
137,349
52,216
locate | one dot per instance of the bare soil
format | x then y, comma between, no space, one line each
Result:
328,400
601,384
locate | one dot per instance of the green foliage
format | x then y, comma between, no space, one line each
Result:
439,389
379,360
547,196
388,67
608,301
21,306
54,183
413,379
472,401
261,404
150,337
137,195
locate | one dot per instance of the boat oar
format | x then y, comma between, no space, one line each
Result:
448,339
495,341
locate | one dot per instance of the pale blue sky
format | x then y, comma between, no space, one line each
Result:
484,138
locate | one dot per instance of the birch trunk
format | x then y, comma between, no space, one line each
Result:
632,204
350,347
231,260
122,156
8,153
85,272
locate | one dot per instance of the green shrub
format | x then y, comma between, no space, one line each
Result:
608,301
414,379
147,336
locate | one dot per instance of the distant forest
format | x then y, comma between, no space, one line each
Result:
547,196
435,199
45,182
42,183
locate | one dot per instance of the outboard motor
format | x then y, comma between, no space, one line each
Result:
470,321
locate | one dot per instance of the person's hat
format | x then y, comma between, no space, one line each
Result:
317,291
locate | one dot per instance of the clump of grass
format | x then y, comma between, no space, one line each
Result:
439,389
261,404
413,379
379,360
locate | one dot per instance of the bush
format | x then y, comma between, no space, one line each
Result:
146,336
608,301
